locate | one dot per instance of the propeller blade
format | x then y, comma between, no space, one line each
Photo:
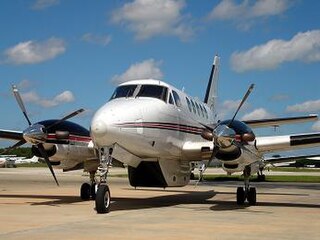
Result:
46,158
242,102
18,144
20,102
66,118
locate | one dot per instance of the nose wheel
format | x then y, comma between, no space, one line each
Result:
103,199
87,190
103,196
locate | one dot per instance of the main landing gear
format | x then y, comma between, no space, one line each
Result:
246,193
88,190
103,196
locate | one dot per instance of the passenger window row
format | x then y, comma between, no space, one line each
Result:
197,108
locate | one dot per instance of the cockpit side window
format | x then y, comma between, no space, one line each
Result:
170,99
124,91
153,91
176,98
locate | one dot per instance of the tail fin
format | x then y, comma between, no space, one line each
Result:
211,94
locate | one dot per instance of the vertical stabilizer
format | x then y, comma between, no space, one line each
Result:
211,94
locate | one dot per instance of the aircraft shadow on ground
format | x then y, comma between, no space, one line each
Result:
172,198
54,200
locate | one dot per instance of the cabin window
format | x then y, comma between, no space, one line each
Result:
176,98
189,104
124,91
193,107
202,111
198,108
170,99
205,112
153,91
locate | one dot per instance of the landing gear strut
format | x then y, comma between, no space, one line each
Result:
103,196
246,193
88,191
261,176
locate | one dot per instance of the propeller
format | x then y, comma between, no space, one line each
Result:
20,102
36,134
223,134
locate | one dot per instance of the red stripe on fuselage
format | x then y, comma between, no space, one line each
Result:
73,138
165,126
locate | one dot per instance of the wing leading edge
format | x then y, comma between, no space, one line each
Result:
275,122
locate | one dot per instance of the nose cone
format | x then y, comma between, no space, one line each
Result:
103,126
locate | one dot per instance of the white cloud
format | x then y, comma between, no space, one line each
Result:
149,18
229,107
303,47
43,4
308,106
24,84
142,70
245,13
102,40
280,97
256,114
316,126
31,52
61,98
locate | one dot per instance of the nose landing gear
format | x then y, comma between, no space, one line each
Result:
103,196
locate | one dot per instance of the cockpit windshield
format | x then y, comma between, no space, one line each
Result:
153,91
124,91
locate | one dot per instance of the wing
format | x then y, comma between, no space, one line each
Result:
287,142
12,135
290,158
275,122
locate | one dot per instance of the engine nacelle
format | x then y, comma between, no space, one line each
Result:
237,164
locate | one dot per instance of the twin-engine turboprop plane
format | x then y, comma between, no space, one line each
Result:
157,131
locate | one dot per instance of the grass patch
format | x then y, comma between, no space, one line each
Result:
270,178
293,169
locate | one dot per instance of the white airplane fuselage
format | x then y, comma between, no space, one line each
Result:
149,127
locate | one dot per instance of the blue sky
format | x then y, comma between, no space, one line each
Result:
64,55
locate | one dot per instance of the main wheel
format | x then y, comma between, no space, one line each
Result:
103,199
252,196
85,191
241,196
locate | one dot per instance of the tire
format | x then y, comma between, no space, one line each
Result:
252,196
85,191
241,197
103,199
93,191
261,178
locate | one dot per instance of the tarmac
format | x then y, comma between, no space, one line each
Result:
33,207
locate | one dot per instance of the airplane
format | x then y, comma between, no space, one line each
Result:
157,131
13,160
